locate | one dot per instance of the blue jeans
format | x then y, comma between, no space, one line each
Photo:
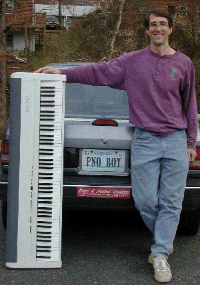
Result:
159,167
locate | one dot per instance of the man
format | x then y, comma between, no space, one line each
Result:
160,85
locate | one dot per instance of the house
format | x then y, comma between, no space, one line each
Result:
181,10
21,24
26,19
64,12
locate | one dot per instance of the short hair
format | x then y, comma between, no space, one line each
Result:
161,13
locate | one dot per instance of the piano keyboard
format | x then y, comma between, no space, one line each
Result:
49,176
35,212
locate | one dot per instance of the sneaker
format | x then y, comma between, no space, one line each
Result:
162,272
150,259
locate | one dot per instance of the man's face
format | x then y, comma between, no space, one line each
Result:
159,30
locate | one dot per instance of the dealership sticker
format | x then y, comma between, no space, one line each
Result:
95,192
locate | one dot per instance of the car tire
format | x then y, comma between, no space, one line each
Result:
4,213
189,222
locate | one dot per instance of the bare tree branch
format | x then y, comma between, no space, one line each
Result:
121,6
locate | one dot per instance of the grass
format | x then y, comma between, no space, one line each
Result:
61,46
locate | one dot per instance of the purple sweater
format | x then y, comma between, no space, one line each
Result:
161,89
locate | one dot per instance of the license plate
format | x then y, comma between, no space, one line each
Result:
97,160
95,192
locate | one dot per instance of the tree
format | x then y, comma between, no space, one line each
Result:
2,67
110,31
121,6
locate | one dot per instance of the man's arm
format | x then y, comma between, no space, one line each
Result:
190,109
110,73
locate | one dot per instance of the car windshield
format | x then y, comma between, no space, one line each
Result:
95,101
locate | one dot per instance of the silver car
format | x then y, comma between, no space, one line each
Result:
97,154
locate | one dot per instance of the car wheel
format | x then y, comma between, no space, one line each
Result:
4,213
189,222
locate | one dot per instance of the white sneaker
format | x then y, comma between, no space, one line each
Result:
150,258
162,271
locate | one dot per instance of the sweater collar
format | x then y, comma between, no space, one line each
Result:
162,56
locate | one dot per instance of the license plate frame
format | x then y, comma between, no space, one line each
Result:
103,162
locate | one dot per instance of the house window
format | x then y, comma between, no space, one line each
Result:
172,10
9,39
9,5
183,10
69,20
144,9
198,11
